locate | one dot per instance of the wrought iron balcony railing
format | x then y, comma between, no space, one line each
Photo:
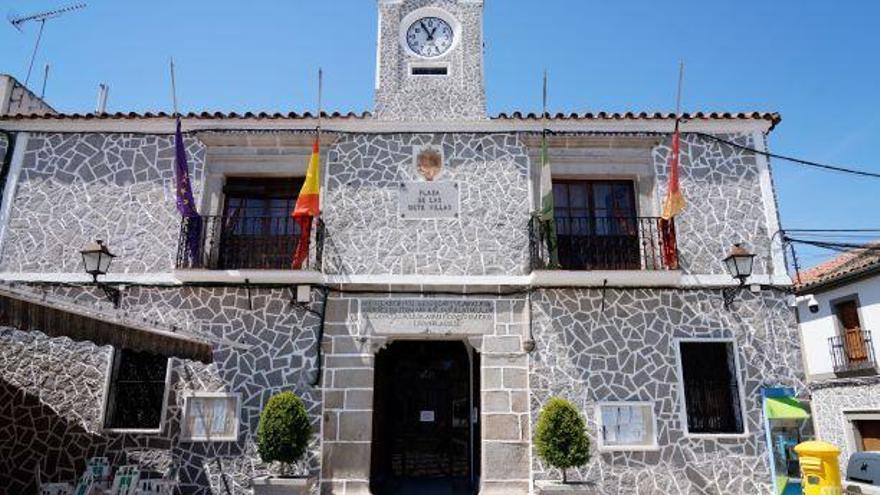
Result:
606,243
240,242
852,351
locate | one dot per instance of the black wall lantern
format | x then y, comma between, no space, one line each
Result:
739,264
96,261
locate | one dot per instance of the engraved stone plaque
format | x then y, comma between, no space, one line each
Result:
428,316
418,200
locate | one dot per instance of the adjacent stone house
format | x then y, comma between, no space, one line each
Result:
428,326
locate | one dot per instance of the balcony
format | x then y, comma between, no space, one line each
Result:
605,243
245,243
852,352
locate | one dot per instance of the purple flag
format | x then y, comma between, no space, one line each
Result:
186,205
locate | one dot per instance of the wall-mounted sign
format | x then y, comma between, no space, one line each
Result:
418,200
428,316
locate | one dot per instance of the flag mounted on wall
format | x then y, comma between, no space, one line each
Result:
546,213
308,205
186,205
672,205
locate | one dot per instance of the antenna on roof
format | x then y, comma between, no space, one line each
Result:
41,17
45,78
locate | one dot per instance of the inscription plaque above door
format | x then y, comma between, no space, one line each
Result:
428,316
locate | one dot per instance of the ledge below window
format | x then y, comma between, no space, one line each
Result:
615,278
253,276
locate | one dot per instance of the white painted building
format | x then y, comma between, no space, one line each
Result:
839,315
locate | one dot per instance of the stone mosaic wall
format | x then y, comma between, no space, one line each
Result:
75,188
367,236
722,188
348,383
457,96
829,401
627,353
257,353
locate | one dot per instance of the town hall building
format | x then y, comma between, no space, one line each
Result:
428,325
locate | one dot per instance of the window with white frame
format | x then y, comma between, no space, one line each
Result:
210,417
136,392
712,395
627,426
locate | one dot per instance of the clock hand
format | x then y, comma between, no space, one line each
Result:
427,31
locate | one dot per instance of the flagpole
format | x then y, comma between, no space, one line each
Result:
320,97
544,111
680,84
173,88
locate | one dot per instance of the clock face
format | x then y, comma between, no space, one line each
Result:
429,37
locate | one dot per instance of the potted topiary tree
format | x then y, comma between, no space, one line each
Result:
283,436
561,436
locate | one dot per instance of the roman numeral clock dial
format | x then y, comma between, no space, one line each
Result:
429,37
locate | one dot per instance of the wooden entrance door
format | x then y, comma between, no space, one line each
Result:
853,338
869,431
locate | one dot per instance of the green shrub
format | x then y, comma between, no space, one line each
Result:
284,430
561,436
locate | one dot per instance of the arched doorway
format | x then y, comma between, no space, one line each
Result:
425,436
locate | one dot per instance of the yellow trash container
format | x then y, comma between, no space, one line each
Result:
820,469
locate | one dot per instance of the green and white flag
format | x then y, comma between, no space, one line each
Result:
546,214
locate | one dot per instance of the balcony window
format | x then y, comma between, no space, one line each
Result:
254,231
257,229
852,349
597,228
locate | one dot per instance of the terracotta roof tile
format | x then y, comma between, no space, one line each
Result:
852,262
773,117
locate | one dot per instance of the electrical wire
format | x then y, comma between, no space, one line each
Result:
809,163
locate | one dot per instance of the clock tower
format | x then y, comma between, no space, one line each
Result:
429,61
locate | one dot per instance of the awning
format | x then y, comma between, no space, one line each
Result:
785,408
26,312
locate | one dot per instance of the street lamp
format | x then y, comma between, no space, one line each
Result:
739,264
96,261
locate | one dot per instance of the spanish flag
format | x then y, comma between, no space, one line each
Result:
308,205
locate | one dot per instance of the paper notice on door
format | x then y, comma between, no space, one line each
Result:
426,416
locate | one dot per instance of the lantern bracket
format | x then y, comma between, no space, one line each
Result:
729,294
113,294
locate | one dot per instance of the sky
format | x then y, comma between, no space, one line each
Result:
815,62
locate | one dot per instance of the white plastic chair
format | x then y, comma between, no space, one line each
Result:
155,487
126,480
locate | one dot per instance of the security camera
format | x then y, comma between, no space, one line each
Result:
812,304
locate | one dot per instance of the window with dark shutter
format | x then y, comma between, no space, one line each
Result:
711,392
136,396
